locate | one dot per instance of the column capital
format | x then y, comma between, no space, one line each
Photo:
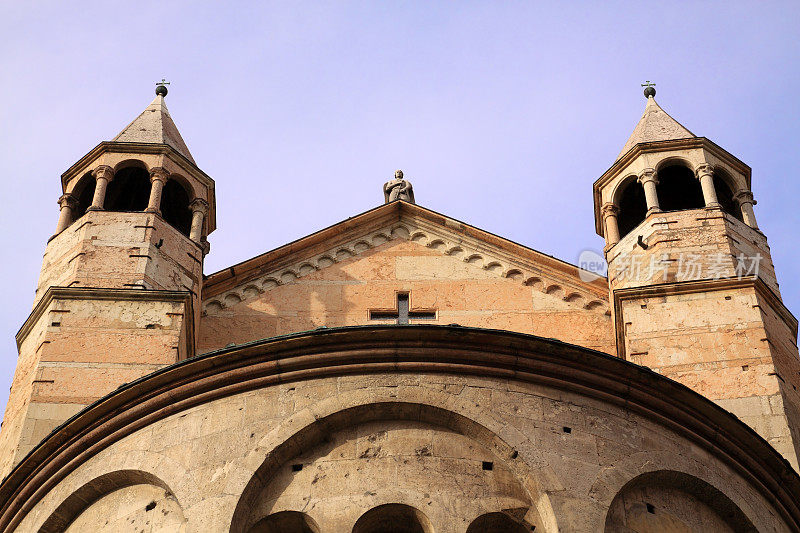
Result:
609,208
648,174
159,174
103,171
744,197
67,200
704,170
198,205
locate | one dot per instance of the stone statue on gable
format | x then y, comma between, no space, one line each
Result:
398,189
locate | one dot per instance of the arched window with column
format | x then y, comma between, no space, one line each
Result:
83,192
632,205
175,200
725,187
678,188
129,190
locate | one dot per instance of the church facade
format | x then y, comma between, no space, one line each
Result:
402,371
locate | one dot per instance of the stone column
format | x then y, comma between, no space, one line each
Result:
746,202
199,208
706,176
158,178
67,203
103,176
609,212
649,180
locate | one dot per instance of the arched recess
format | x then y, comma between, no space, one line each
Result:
666,500
678,188
321,429
147,498
286,522
629,198
175,210
393,518
496,523
129,190
725,187
83,193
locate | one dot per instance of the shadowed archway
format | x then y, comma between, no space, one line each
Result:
667,500
393,518
320,431
286,522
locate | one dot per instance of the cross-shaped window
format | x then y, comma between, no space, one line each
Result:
403,313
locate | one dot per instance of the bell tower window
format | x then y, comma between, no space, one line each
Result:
175,206
725,194
632,206
83,192
129,190
679,189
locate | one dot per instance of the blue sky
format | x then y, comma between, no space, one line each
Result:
501,114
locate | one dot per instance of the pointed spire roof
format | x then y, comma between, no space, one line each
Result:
655,125
155,125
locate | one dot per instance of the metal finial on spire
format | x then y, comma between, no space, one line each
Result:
649,89
161,87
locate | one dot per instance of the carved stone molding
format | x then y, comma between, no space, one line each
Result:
472,253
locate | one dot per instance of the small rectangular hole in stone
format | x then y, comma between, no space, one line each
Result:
567,430
488,465
745,368
644,306
297,468
56,324
727,297
651,508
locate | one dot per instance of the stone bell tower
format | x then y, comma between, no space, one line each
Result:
118,293
693,287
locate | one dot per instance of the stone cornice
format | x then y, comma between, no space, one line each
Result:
93,293
689,287
662,146
412,217
372,349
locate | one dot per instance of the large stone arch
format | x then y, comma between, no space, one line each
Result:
140,485
667,467
363,366
113,470
306,429
666,500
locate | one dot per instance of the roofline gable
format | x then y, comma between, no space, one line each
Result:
378,217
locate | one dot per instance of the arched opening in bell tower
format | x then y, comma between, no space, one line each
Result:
129,190
175,206
678,188
83,194
724,189
632,205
